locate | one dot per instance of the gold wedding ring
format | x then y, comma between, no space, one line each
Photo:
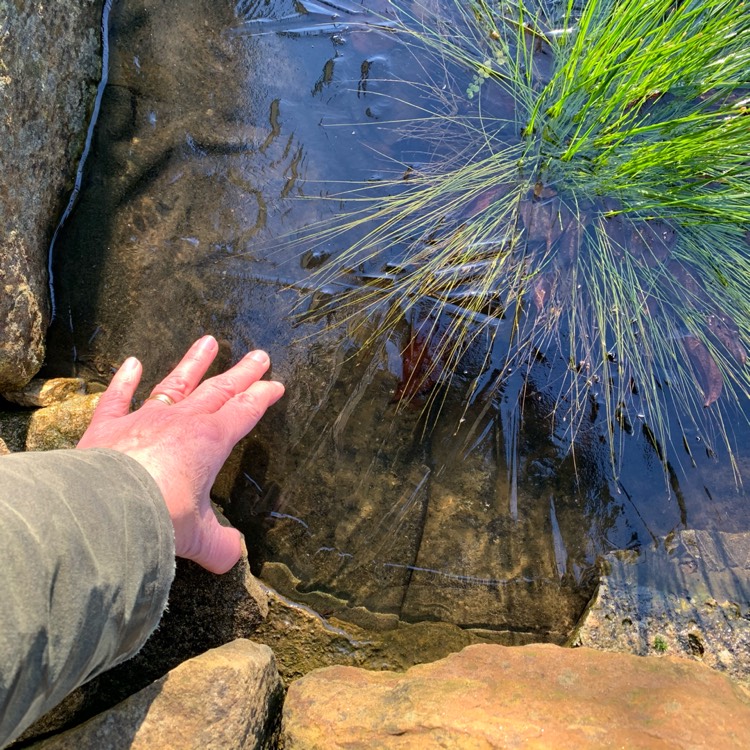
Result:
168,400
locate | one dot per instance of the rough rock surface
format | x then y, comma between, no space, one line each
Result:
49,70
689,597
45,392
539,696
53,427
13,428
205,611
225,699
60,425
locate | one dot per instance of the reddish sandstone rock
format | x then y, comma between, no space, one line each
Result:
538,696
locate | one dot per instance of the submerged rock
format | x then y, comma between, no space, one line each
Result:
49,69
304,640
227,698
536,696
197,170
689,597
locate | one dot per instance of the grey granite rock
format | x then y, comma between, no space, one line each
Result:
228,698
49,69
688,597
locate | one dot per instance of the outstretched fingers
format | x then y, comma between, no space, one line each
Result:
184,379
243,411
209,397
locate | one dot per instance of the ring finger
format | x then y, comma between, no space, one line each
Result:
183,380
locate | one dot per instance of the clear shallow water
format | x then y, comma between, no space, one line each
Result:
217,123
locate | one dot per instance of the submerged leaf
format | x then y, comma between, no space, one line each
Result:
705,365
726,330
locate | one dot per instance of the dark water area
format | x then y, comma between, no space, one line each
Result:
219,123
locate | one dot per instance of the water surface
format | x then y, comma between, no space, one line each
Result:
219,124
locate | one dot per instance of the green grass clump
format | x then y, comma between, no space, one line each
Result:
660,645
588,196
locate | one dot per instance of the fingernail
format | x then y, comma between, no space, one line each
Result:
259,356
206,344
129,366
128,370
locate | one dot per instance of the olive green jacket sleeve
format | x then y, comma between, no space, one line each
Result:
86,562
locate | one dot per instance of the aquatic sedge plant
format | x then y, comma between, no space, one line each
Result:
588,197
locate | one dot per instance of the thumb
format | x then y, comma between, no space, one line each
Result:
220,546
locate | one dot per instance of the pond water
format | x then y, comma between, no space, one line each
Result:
218,124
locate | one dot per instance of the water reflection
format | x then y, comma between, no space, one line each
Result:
209,139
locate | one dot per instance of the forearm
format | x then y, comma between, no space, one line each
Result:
87,555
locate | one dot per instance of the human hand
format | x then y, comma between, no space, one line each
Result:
184,445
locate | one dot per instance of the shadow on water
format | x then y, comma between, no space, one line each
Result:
216,122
